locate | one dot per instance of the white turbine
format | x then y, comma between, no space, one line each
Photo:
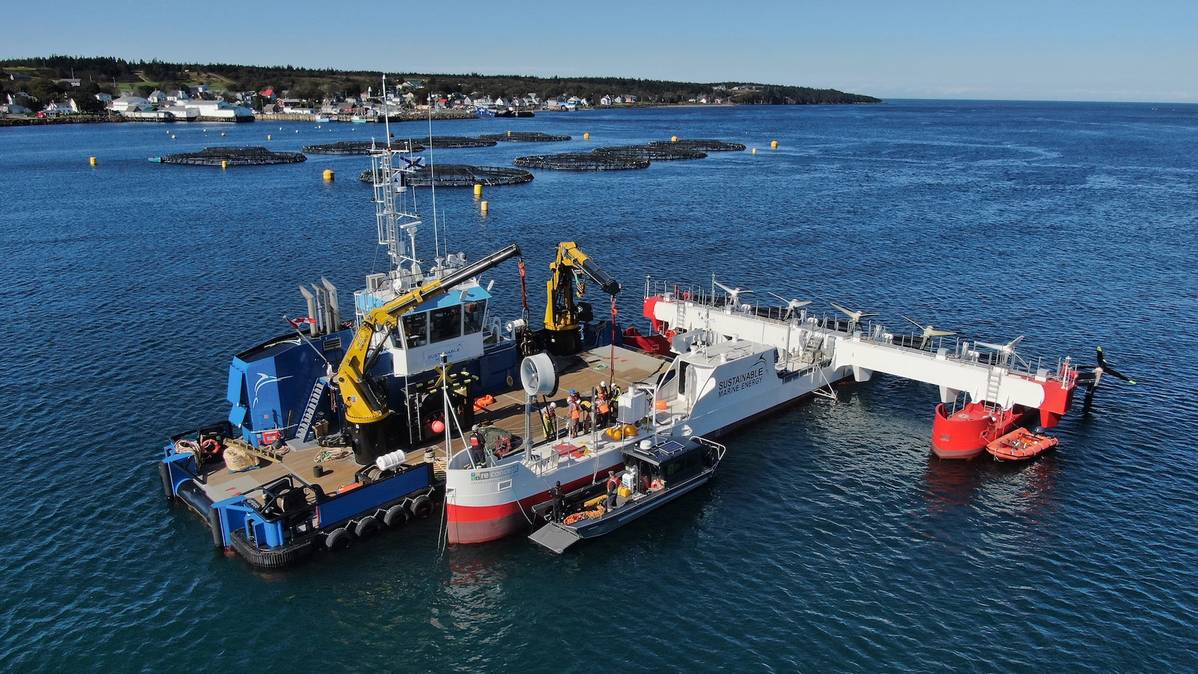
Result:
733,293
791,305
928,331
854,316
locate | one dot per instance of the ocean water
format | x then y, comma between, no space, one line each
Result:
831,539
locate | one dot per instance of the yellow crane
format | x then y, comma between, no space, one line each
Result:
365,408
562,312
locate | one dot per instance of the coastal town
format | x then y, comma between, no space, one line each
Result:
84,89
200,103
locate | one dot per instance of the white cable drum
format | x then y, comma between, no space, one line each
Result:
391,461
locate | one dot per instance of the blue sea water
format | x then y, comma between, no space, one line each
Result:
831,540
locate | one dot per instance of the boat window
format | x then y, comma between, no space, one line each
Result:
472,316
415,329
446,323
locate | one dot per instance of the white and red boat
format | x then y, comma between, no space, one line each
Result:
734,362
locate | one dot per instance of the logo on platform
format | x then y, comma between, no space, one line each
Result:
263,380
736,383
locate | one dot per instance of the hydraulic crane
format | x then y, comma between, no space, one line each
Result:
562,312
366,409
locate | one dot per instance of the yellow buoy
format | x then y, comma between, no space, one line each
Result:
224,164
773,145
586,135
91,161
673,139
328,175
478,190
483,206
754,150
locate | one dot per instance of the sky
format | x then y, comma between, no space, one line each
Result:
1144,50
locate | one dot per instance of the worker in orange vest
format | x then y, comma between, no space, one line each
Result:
602,410
575,406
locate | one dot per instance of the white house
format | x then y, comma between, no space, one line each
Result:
55,108
14,109
156,97
606,100
126,104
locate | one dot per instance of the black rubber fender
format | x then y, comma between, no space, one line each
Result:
164,471
276,558
218,538
338,539
421,507
366,527
396,515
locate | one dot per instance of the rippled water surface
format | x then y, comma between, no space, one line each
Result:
831,540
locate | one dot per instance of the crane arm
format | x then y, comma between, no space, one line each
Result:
560,310
362,405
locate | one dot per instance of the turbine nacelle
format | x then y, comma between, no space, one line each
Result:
733,293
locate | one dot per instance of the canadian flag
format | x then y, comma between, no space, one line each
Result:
296,322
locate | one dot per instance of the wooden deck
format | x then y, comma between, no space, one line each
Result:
582,372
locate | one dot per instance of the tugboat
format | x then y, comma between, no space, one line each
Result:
655,473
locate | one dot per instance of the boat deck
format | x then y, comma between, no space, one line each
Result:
582,372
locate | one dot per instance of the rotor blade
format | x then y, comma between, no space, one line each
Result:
934,332
723,287
912,321
846,312
1101,358
777,296
988,345
1011,344
1118,375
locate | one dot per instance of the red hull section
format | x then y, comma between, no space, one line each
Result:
481,524
964,433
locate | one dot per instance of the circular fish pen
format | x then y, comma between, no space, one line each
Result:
701,144
361,147
524,137
581,161
462,141
651,152
460,175
233,156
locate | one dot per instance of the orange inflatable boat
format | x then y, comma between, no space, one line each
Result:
1020,444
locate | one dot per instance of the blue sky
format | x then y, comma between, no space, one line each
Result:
1013,49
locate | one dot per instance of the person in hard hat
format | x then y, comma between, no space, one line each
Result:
602,408
575,407
550,420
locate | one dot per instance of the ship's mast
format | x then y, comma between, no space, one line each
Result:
397,223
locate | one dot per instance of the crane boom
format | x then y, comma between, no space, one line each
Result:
562,313
362,404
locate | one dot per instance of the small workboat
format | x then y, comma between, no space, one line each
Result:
655,473
1020,445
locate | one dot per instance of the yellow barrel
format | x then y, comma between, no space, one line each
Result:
586,135
673,139
478,190
91,161
773,145
224,164
483,206
328,175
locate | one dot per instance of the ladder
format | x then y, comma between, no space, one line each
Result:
305,424
681,316
993,387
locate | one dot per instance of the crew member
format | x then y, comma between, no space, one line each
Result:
613,484
575,406
476,446
558,504
602,410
